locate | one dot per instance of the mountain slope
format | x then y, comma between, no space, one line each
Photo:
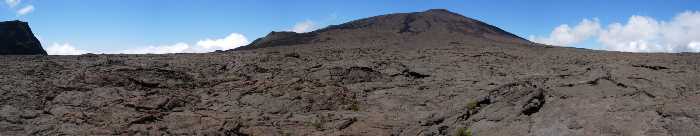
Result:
431,25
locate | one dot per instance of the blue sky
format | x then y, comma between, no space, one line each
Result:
116,25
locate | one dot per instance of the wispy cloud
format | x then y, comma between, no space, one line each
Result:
25,10
12,3
638,34
305,26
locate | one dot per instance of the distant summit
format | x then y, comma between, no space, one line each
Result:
16,38
430,25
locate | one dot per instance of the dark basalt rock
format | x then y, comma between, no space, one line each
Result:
16,38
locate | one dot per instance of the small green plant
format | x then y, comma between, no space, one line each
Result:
471,105
317,124
285,133
463,132
354,107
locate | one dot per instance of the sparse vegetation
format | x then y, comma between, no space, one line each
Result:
285,133
319,122
463,132
472,104
354,107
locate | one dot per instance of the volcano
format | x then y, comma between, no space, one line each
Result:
407,29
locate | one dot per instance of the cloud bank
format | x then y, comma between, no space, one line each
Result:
638,34
63,49
164,49
12,3
231,41
566,36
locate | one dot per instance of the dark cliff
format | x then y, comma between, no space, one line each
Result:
16,38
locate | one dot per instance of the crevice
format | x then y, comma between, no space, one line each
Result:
534,104
414,75
596,81
621,85
651,67
145,120
483,102
144,84
292,55
346,123
232,129
639,78
639,91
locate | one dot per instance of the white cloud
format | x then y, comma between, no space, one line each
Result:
646,34
12,3
638,34
304,26
63,49
176,48
22,11
694,46
563,35
25,10
231,41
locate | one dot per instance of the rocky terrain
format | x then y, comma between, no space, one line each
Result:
16,38
423,73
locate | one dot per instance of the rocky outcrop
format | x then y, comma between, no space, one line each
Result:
16,38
